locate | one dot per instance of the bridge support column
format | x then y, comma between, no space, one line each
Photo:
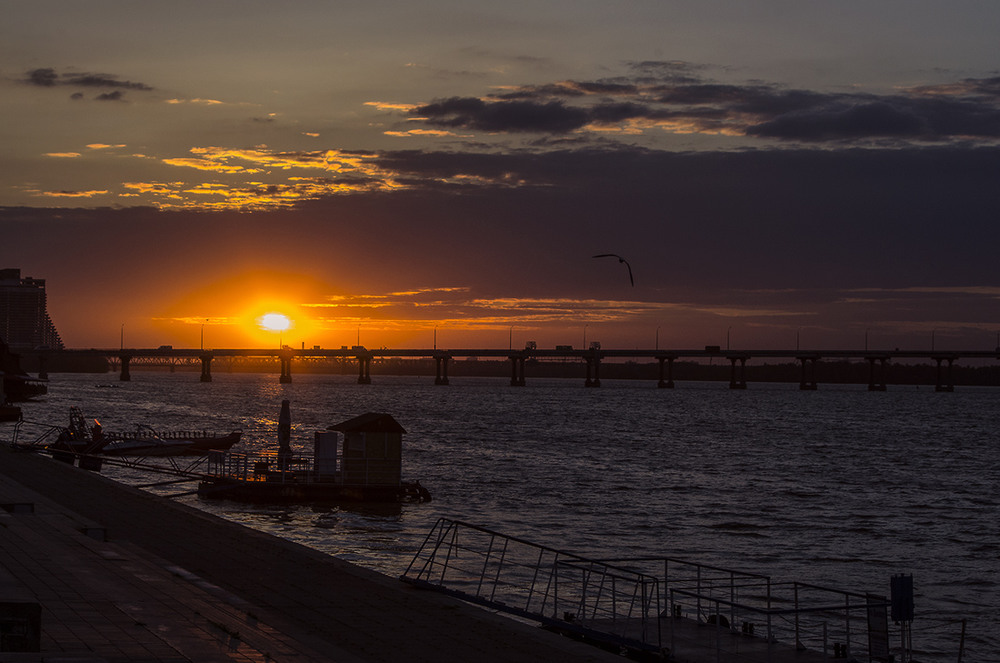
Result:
872,384
595,363
286,369
441,370
124,376
808,381
43,372
516,371
364,370
941,385
669,382
206,368
739,382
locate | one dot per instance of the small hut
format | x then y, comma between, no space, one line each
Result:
372,451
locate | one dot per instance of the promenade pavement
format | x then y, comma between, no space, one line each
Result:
123,575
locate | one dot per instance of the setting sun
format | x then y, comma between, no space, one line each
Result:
275,322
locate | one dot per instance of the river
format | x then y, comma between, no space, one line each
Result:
839,486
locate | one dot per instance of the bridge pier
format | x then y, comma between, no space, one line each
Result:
206,367
808,382
286,368
517,370
43,372
940,386
669,383
872,385
364,369
739,382
441,369
595,363
124,376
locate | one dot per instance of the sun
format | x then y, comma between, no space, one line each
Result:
275,322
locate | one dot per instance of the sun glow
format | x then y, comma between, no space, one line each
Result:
275,322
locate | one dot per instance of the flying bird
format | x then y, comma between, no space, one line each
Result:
620,259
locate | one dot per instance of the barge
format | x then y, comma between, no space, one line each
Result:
365,466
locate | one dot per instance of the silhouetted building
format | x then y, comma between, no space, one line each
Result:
24,320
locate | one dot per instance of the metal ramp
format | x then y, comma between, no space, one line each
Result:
609,605
654,607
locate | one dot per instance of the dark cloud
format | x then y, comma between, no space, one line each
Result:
837,123
48,77
511,116
110,96
44,77
672,92
101,80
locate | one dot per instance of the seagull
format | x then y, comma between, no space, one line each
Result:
620,259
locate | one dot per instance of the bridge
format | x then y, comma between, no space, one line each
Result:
592,356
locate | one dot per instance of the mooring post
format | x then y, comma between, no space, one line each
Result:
206,367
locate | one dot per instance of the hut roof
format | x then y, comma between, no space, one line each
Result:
372,422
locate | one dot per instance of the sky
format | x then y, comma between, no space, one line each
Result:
776,173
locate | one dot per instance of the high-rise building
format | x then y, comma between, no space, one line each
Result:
24,320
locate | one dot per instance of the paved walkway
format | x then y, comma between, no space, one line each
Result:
123,575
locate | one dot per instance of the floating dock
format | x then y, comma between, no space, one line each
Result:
366,466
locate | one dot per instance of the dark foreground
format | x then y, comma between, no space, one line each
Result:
123,575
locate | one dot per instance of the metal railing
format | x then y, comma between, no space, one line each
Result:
599,601
657,604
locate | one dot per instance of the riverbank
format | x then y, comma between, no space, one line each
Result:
124,575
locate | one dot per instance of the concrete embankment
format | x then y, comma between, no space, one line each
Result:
123,575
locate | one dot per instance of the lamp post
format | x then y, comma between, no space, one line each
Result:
510,338
585,336
657,339
798,333
866,340
123,337
727,337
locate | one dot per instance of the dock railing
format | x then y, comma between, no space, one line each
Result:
601,602
653,604
795,614
262,466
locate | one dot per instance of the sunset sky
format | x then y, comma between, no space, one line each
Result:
384,172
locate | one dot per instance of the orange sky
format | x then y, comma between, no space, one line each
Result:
813,173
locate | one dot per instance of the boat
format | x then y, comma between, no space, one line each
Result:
364,467
146,441
80,438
